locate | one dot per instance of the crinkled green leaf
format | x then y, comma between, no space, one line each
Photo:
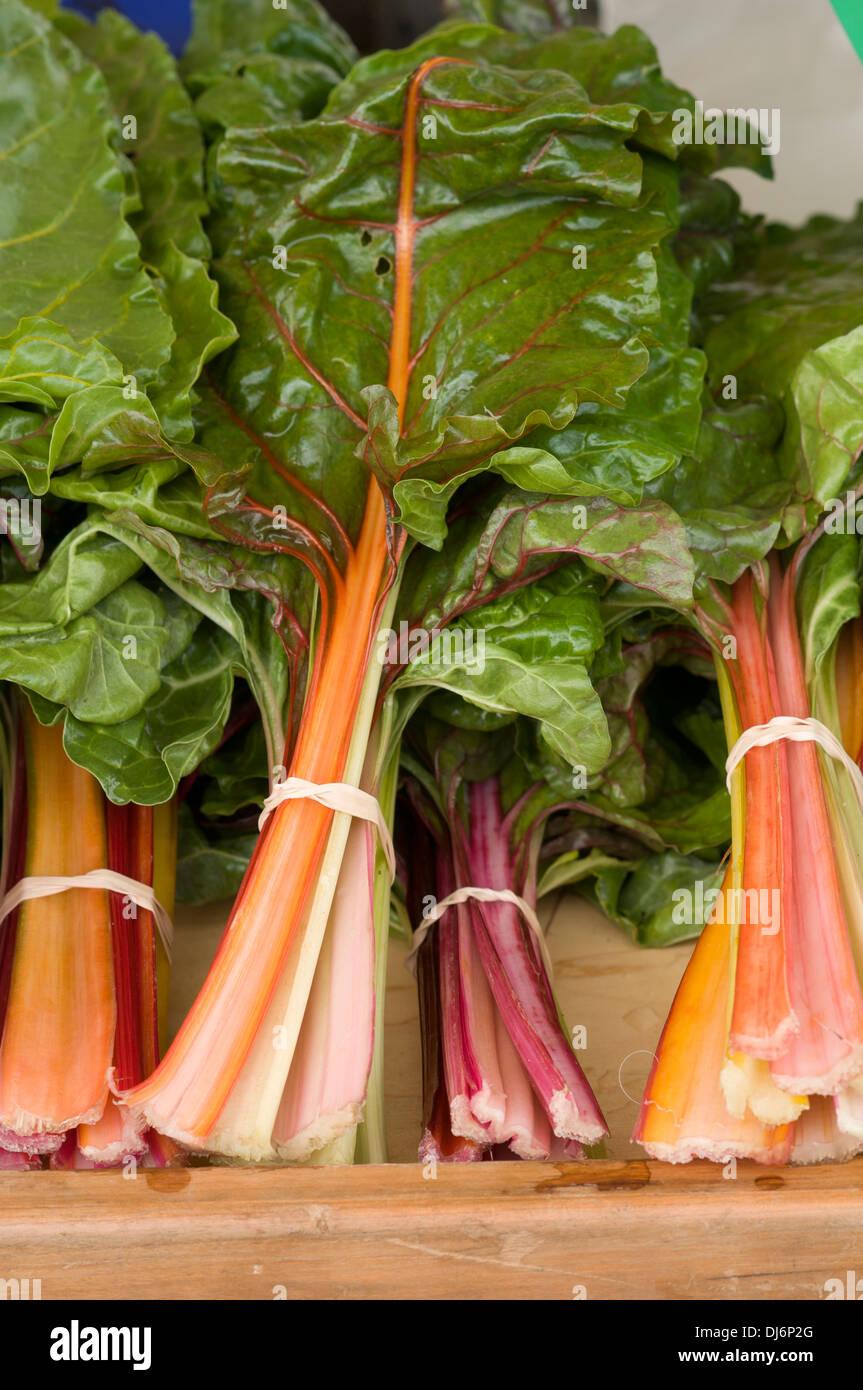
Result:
824,435
208,871
800,289
530,17
558,694
83,570
203,331
100,426
643,546
828,597
158,492
96,426
787,327
103,664
622,66
166,146
67,253
655,789
252,65
640,900
573,868
555,619
236,776
712,231
614,452
730,494
224,35
695,819
500,547
142,759
42,364
226,585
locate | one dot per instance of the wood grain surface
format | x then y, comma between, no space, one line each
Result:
475,1231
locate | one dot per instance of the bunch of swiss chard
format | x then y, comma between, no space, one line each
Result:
487,792
761,1056
122,687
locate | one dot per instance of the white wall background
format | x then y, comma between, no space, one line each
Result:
791,54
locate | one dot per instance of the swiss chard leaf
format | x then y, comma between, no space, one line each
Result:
102,664
824,435
828,597
622,66
533,18
67,252
251,65
144,759
731,491
799,289
787,328
209,870
523,534
505,332
102,347
558,694
642,901
159,131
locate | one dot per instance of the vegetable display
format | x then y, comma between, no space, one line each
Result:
419,476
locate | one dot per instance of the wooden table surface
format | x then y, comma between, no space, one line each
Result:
601,1230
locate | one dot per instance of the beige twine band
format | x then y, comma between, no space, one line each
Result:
483,895
336,796
46,885
785,726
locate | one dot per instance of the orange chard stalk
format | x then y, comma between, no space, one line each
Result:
80,971
684,1114
58,1030
190,1089
279,881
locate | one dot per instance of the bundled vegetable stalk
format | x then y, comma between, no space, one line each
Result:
489,785
499,1069
761,1054
82,967
786,1013
108,317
